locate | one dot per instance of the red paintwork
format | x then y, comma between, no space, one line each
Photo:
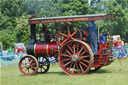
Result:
102,59
49,49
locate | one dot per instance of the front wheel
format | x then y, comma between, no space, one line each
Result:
28,65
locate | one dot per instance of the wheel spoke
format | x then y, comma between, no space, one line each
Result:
40,69
73,38
74,33
45,65
63,34
30,61
80,50
83,64
74,49
83,53
84,57
85,60
67,63
22,63
77,67
23,67
68,30
81,67
70,66
63,41
73,68
68,52
66,59
28,70
25,61
77,47
33,64
66,55
43,68
33,68
70,48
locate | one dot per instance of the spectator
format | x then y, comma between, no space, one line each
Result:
117,43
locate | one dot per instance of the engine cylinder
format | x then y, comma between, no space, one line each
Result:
50,49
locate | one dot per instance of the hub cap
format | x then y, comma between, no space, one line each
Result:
27,65
74,58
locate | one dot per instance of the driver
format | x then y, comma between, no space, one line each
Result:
93,36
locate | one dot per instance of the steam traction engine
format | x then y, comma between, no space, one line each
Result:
74,52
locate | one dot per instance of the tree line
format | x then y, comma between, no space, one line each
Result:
14,26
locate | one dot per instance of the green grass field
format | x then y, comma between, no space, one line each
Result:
114,74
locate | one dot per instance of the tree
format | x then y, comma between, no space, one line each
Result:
44,8
12,8
75,7
120,9
10,11
22,30
7,38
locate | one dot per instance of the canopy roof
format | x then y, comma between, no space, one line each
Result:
77,18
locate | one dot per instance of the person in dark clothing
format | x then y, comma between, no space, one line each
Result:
103,37
44,34
93,37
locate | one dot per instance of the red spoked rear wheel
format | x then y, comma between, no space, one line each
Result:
28,65
76,57
68,32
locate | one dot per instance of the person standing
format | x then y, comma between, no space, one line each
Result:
93,37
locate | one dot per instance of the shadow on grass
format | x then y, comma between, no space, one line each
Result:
60,73
29,75
100,71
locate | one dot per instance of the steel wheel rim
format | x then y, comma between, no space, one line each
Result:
68,35
28,65
80,64
44,65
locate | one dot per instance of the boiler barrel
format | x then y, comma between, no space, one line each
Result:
50,49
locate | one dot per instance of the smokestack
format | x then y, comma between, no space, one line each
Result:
32,28
32,14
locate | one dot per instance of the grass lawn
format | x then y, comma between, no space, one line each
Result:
114,74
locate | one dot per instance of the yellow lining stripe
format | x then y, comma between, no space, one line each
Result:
47,50
35,49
